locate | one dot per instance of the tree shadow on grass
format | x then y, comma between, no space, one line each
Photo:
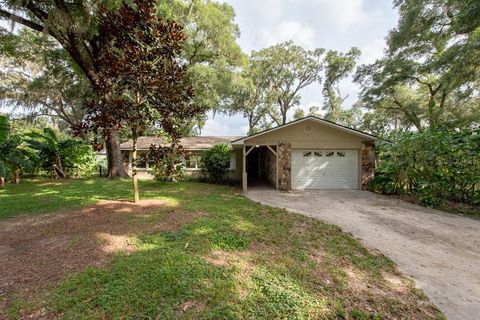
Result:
38,251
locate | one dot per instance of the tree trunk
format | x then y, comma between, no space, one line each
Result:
115,165
16,176
136,196
284,115
2,182
57,167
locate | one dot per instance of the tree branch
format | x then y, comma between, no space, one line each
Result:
16,18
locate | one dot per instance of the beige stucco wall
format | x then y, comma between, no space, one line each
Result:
320,137
145,174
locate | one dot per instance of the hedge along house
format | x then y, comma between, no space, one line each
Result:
193,146
309,153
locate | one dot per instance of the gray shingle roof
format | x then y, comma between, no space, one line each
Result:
188,143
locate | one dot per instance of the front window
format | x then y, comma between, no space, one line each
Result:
190,161
199,161
141,162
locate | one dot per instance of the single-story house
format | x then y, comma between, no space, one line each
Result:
309,153
194,146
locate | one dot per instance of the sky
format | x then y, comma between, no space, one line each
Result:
330,24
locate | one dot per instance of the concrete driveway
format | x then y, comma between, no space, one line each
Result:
440,251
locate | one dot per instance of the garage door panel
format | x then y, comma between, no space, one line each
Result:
314,170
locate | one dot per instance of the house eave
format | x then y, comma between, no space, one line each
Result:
355,132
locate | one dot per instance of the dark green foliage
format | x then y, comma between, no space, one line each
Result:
78,158
435,166
216,163
61,157
166,163
13,157
4,127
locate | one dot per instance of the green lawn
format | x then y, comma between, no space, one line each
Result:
43,196
238,260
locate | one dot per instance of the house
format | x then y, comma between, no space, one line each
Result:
194,146
309,153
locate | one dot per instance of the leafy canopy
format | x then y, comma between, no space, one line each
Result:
286,69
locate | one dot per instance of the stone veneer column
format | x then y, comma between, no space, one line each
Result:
368,163
284,166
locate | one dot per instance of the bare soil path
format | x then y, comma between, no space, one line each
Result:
38,251
440,251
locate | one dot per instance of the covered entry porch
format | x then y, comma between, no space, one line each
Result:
260,166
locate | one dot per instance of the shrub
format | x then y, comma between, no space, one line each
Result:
13,156
60,157
78,158
216,163
435,166
166,163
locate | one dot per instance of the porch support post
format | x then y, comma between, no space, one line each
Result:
130,160
276,169
244,170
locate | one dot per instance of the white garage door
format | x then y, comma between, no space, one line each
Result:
325,169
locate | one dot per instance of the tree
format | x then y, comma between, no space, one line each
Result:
299,114
166,162
48,148
337,67
211,50
74,26
142,76
432,60
248,96
287,68
38,80
12,156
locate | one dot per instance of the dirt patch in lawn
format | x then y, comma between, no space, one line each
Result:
41,250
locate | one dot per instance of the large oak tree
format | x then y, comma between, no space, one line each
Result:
429,76
74,26
287,69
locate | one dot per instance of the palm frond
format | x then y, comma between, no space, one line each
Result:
4,127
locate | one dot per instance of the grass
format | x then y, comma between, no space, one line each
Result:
39,196
240,260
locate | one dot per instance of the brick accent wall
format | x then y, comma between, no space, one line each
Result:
284,166
368,163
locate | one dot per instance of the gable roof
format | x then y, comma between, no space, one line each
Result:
188,143
318,120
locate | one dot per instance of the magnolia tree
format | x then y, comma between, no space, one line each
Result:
142,78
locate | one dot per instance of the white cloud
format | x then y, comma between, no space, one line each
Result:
372,51
223,125
288,30
339,14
